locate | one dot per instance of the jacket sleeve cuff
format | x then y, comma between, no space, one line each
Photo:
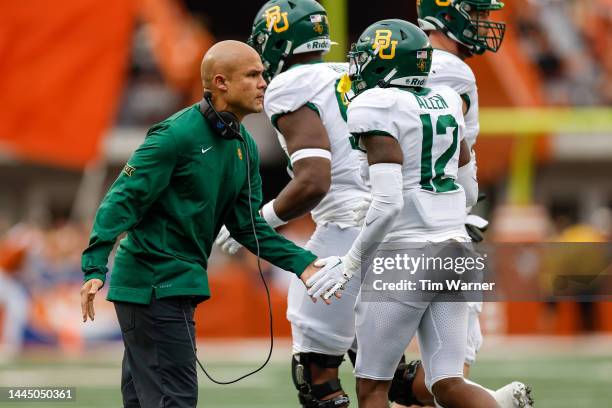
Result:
95,275
302,263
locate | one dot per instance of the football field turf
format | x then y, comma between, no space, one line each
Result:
573,375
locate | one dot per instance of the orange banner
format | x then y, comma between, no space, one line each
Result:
62,69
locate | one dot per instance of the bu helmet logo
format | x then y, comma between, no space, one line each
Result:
421,65
443,3
382,42
422,60
274,17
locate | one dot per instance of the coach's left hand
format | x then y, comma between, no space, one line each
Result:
88,293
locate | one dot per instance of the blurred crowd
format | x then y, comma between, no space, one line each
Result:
36,264
146,97
40,276
569,42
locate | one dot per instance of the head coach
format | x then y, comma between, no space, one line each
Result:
194,172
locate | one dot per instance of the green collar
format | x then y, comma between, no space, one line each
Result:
419,92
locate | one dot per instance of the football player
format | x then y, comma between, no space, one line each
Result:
459,29
304,105
421,177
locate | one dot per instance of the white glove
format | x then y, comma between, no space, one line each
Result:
475,227
228,244
359,213
330,279
476,221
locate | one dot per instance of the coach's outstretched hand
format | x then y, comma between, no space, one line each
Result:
88,293
329,280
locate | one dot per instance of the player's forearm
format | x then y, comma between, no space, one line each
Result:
387,203
309,185
299,197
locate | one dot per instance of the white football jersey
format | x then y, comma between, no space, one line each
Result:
429,127
315,85
450,70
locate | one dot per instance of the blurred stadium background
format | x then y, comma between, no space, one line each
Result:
80,82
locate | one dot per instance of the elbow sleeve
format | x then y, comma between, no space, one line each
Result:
387,197
387,202
466,177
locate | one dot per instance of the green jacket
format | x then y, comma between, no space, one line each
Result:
177,190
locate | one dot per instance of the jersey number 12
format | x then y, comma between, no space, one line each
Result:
432,175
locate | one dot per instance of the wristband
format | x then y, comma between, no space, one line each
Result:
268,213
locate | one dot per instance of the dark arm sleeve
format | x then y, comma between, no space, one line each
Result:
141,181
273,247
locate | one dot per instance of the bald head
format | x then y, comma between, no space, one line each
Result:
232,73
223,58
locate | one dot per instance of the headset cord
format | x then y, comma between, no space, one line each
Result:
248,159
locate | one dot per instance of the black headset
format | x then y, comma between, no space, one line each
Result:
225,124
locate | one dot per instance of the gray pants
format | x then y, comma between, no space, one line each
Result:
158,362
387,320
384,330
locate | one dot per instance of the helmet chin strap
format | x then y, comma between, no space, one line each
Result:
283,58
383,83
464,51
452,36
